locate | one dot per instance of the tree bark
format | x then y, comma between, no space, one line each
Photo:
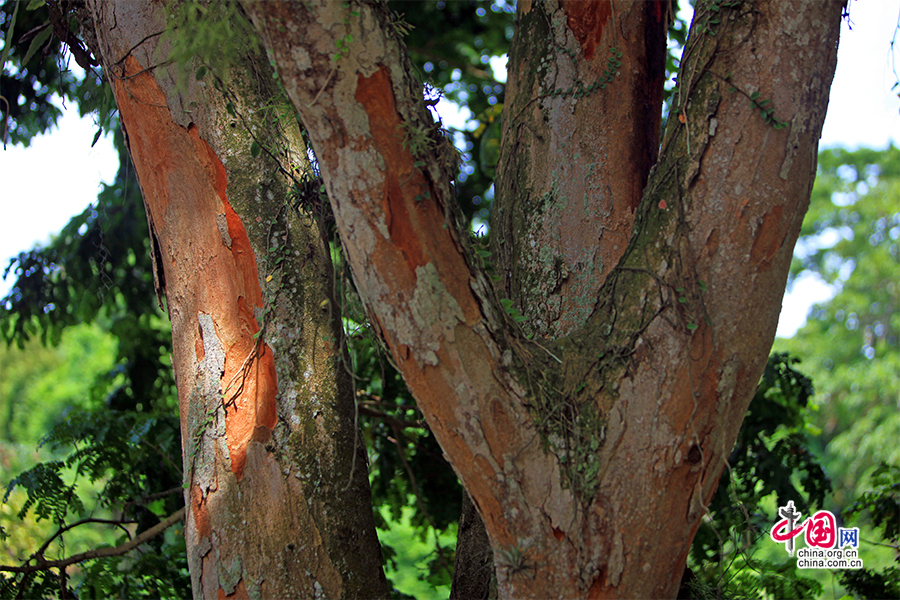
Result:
591,457
278,503
585,82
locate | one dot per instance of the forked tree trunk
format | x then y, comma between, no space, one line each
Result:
275,471
580,134
589,456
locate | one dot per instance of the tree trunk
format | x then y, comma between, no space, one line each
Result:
585,81
275,471
591,456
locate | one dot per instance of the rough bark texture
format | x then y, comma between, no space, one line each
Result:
590,458
580,134
590,455
473,573
274,508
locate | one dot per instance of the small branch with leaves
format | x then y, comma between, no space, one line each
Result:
45,565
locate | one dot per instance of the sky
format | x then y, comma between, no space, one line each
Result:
56,177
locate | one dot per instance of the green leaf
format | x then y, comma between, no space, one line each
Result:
201,73
36,44
691,326
9,36
254,149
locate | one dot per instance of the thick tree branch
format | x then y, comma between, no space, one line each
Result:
381,158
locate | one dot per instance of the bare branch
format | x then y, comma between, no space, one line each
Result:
155,496
366,409
116,522
154,531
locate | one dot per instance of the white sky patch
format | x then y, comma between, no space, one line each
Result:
498,66
46,184
808,289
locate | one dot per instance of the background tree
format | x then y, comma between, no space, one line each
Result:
850,343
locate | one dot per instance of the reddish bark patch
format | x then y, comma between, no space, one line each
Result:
199,512
586,19
598,589
768,238
415,220
249,364
240,592
185,189
377,98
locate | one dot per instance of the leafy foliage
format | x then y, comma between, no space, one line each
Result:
882,505
37,74
215,34
770,457
30,86
112,459
41,384
136,457
882,502
850,343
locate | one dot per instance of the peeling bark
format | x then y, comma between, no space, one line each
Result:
590,454
590,458
266,404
